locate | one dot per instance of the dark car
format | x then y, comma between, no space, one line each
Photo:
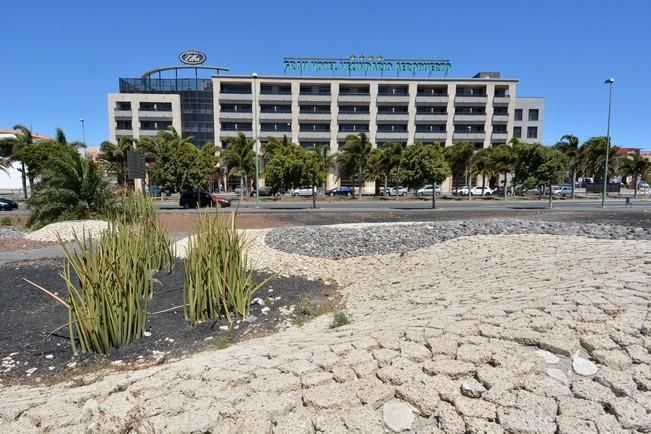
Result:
340,191
192,199
8,204
264,191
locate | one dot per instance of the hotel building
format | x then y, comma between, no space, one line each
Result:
312,111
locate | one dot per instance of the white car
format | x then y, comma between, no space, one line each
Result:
562,191
427,191
462,191
479,191
397,191
303,191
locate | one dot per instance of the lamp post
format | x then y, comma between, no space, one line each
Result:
609,82
83,131
255,139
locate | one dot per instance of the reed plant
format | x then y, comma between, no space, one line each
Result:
218,279
107,283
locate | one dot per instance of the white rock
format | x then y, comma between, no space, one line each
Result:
30,371
548,357
397,416
147,334
49,356
265,310
558,375
67,230
224,327
583,366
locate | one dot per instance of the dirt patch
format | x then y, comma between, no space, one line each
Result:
22,244
186,222
30,352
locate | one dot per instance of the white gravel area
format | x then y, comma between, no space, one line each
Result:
67,230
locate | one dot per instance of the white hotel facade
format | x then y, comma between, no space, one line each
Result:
312,111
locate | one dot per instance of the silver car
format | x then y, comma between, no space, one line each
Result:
427,191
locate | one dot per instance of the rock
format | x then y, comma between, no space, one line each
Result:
160,359
580,408
518,421
558,375
451,368
583,366
598,342
472,388
292,423
476,425
448,419
251,319
469,407
592,391
265,310
630,414
548,357
573,425
397,416
619,382
615,359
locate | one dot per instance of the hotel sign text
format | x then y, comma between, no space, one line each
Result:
364,64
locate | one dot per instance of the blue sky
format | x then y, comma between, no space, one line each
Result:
60,59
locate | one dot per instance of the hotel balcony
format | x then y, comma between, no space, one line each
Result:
404,117
363,97
354,116
231,133
500,119
246,116
275,97
122,114
287,117
236,97
479,99
500,137
430,136
126,133
392,135
314,116
431,99
341,135
149,133
468,136
473,119
277,134
313,135
501,100
313,97
393,98
431,117
152,114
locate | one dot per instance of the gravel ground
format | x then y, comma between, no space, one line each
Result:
10,234
347,241
67,230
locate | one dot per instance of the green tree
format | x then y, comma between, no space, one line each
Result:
12,148
354,154
503,160
384,161
314,171
239,156
459,157
284,170
593,158
569,146
423,163
70,188
328,159
552,168
636,166
481,164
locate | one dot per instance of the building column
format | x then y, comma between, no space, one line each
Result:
216,84
449,131
296,89
488,125
333,175
372,109
411,109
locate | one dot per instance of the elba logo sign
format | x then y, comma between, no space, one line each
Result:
193,57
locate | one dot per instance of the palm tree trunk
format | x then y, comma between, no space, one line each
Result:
483,183
24,176
313,196
241,186
386,185
550,196
635,187
468,182
361,180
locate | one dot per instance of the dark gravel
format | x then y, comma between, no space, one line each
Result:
338,243
10,234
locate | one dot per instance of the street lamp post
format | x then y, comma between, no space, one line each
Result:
83,131
255,139
609,82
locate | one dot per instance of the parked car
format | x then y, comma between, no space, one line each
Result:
427,191
264,191
303,191
461,191
481,191
397,191
8,204
563,190
192,199
340,191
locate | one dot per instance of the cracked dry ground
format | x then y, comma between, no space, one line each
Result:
473,335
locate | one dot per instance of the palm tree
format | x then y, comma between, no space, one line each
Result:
385,161
329,160
71,187
481,164
503,160
355,153
239,156
115,156
636,166
13,149
460,155
569,145
592,158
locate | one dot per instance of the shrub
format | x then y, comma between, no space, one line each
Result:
108,308
5,221
339,319
218,279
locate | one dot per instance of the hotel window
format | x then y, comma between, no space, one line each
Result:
533,114
499,128
532,132
517,132
518,114
123,105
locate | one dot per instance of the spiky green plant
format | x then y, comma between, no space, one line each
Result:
218,279
108,307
